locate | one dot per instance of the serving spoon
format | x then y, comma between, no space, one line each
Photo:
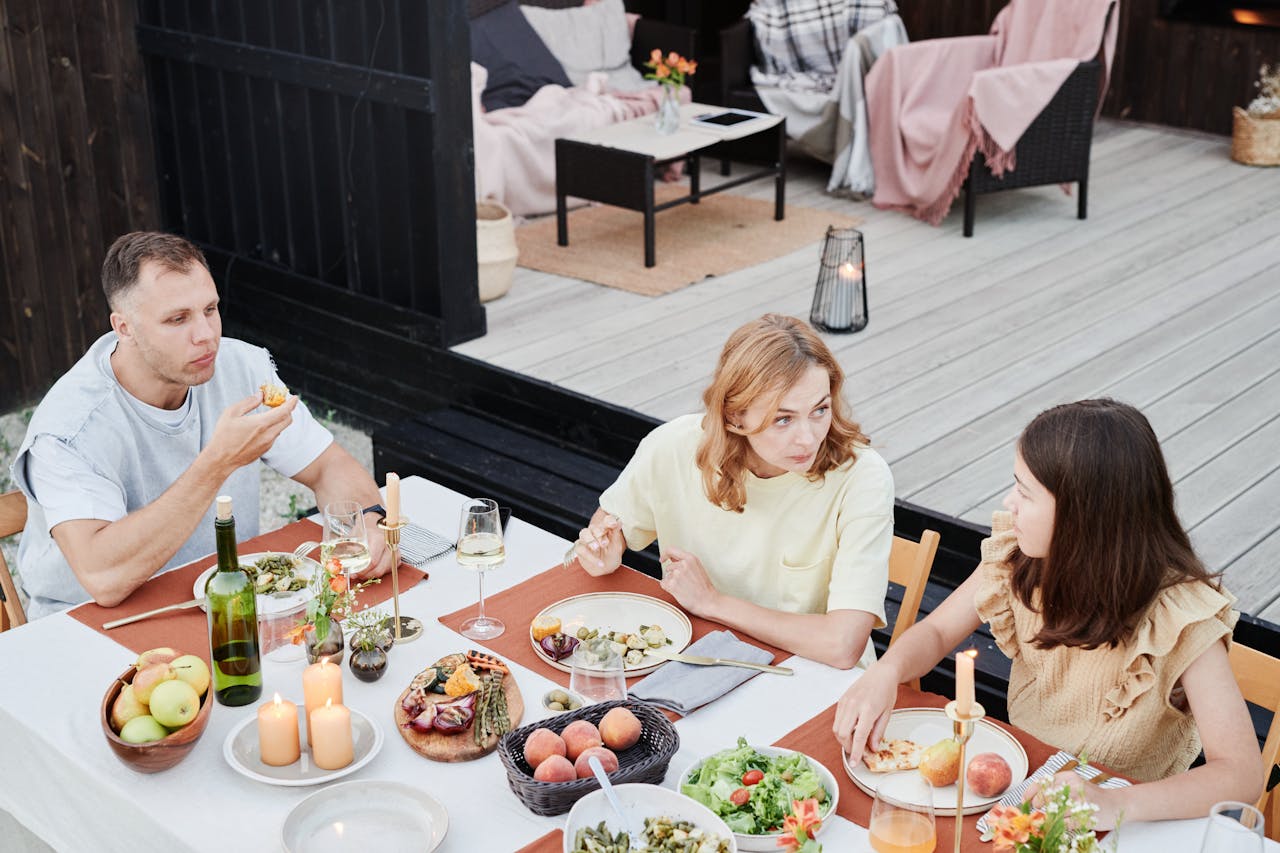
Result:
636,842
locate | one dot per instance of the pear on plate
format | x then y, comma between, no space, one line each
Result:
940,763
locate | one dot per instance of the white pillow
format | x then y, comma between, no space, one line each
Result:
589,38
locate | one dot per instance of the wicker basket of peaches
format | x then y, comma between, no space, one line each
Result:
546,761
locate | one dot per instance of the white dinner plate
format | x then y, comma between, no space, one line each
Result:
366,815
769,841
927,726
618,611
241,752
268,603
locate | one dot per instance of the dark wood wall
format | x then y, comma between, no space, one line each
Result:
1175,73
76,170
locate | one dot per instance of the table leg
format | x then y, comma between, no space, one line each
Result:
695,178
780,184
562,220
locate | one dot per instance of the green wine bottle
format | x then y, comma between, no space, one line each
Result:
233,619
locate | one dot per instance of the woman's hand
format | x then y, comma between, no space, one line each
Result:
1108,800
684,577
862,714
600,544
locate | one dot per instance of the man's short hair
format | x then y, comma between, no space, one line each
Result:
128,253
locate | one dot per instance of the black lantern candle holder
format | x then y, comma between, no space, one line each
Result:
840,296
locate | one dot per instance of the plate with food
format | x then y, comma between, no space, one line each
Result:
281,580
635,623
459,708
657,814
751,788
920,740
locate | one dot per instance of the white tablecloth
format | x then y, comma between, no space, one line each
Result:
59,778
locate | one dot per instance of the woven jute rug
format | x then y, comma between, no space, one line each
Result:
721,234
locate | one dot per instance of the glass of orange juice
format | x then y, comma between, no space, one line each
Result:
902,815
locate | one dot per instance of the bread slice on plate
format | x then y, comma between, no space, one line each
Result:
896,754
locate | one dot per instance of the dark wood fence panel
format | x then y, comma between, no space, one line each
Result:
76,170
329,140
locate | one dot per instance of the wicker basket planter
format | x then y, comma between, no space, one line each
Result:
495,249
645,762
1255,141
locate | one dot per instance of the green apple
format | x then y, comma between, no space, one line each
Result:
193,670
174,703
142,729
164,654
146,679
125,708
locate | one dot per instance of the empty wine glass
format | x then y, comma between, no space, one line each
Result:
1233,828
480,549
902,815
345,538
596,671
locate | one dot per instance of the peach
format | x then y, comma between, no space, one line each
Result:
578,736
988,775
607,759
541,745
555,768
619,729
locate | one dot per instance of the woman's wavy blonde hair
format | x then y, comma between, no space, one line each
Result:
766,357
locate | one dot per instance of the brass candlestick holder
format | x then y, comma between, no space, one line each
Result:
961,731
407,628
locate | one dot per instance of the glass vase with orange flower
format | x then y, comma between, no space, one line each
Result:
333,598
670,71
1063,823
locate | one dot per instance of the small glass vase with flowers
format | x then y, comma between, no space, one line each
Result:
1062,824
670,71
333,599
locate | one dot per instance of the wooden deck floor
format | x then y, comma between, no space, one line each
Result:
1166,297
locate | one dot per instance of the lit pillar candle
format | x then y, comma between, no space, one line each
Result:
321,683
964,682
331,745
393,498
278,733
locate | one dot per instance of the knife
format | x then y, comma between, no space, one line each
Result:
705,661
138,617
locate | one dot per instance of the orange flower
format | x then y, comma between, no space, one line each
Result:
673,58
655,56
801,825
1013,827
338,583
662,72
693,67
334,566
298,633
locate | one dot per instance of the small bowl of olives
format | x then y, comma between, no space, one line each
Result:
559,700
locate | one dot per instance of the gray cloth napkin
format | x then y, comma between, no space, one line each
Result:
1014,795
419,545
682,687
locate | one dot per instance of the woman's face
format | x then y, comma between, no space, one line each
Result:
1032,506
795,432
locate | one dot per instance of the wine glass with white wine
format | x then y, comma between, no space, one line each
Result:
480,549
345,538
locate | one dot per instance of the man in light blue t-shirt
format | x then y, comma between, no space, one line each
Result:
126,453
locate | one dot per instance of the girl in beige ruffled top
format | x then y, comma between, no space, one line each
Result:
1117,633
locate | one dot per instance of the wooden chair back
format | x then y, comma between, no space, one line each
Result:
909,567
13,517
1258,675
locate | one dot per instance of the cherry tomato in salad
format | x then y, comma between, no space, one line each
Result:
752,777
740,797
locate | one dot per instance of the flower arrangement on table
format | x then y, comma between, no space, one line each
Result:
669,70
1064,824
800,828
1267,103
333,599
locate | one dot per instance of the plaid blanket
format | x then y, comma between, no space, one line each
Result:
806,38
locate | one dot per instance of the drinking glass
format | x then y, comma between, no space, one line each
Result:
902,815
1233,828
596,672
345,538
480,549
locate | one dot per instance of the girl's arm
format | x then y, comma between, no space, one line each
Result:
1233,765
863,711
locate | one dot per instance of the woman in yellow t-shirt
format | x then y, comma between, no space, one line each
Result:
1117,634
774,515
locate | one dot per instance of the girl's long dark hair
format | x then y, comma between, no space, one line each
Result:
1117,541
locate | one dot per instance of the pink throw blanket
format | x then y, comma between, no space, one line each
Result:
932,104
515,147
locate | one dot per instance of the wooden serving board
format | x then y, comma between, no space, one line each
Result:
461,746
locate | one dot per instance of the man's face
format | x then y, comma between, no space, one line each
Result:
171,321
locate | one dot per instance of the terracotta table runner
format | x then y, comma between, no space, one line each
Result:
552,842
815,739
188,630
518,605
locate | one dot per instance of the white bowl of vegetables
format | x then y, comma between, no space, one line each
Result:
751,789
656,812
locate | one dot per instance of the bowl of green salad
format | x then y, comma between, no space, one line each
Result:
751,789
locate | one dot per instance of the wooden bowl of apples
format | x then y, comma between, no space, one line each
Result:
153,714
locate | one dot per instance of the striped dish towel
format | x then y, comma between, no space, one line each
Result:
1014,795
418,545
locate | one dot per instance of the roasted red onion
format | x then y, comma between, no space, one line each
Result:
558,646
423,721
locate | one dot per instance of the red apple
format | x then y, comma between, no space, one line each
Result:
146,679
